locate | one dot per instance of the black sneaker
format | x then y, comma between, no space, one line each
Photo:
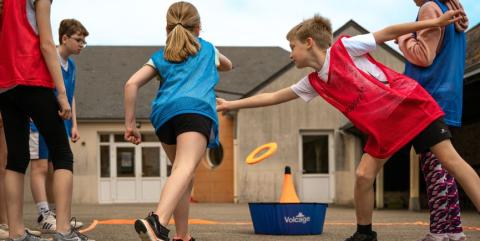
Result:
363,237
176,239
150,229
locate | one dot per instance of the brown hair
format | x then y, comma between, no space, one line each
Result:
70,27
182,19
318,28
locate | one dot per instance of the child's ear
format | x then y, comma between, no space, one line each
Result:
310,42
197,30
64,39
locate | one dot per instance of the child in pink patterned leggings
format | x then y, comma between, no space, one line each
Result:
436,59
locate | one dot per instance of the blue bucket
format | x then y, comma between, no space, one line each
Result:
288,218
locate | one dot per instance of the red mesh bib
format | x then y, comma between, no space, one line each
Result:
391,115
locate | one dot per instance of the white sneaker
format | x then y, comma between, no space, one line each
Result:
4,231
74,223
47,223
436,237
457,237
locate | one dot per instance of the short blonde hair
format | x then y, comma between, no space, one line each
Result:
182,19
318,28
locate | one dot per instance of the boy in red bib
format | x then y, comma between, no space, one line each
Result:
392,109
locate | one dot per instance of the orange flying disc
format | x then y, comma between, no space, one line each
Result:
270,148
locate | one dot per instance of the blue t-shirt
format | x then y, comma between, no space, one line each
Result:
69,78
187,87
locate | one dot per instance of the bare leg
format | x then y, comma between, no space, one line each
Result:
14,196
181,212
191,147
49,184
38,179
62,186
3,164
459,169
367,170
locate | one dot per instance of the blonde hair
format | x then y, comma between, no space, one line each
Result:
182,19
70,27
318,28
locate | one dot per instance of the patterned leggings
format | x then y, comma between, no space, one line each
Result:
442,196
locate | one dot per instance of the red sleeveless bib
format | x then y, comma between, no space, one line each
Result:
21,61
391,116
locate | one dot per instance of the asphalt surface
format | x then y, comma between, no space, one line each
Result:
232,222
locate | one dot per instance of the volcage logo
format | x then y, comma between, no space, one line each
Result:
300,218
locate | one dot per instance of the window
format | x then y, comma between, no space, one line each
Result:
125,162
104,138
104,161
150,162
315,154
215,156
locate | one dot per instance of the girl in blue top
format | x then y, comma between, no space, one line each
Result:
183,114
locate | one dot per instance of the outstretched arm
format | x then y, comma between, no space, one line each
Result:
260,100
140,78
392,32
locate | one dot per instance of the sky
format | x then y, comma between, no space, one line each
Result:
231,22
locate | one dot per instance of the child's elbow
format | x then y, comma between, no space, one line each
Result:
129,85
47,47
226,66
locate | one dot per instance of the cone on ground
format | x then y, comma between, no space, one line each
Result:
289,195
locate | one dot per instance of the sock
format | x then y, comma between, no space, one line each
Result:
42,207
364,229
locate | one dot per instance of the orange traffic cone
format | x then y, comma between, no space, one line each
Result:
289,195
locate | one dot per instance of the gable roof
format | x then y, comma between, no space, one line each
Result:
103,70
472,61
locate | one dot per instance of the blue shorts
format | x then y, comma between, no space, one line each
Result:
38,146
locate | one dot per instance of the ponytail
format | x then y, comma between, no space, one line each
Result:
182,19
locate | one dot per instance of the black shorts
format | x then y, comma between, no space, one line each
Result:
179,124
436,132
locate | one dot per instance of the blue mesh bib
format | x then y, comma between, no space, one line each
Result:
187,87
444,78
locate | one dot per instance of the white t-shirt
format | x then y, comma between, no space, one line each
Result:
356,47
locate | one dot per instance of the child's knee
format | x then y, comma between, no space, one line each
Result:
363,178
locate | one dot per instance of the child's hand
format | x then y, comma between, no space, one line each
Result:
222,105
75,136
449,17
133,135
65,110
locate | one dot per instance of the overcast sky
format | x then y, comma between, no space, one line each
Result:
230,22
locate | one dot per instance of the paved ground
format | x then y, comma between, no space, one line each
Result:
233,223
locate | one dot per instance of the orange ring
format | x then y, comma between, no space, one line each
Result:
271,148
